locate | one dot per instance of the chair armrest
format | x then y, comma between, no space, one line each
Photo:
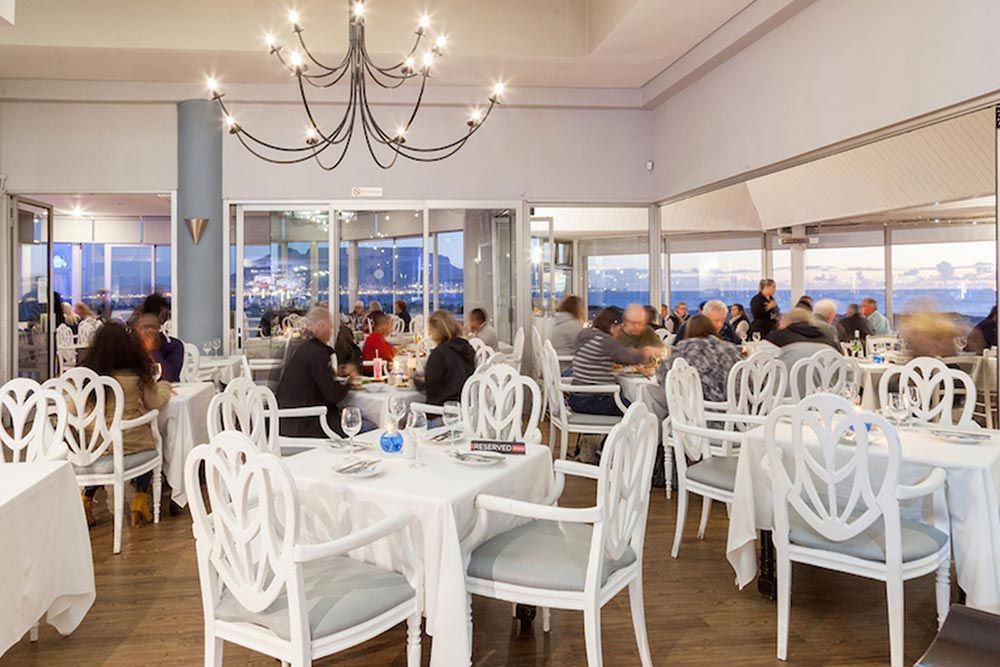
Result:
311,411
390,524
928,485
577,469
564,357
614,389
710,433
147,418
427,408
717,406
735,419
537,511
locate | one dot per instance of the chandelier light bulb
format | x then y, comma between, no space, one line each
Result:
441,42
312,136
212,84
296,59
359,9
401,131
428,59
498,89
230,122
293,17
425,21
269,39
475,117
409,62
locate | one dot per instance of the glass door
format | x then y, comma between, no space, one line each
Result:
32,225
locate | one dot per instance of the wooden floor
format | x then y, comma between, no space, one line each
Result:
148,611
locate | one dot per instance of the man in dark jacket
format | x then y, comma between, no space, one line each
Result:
764,309
308,380
853,321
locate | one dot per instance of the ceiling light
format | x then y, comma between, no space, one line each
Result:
425,21
293,17
359,9
212,84
270,40
77,212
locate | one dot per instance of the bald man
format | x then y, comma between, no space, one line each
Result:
636,331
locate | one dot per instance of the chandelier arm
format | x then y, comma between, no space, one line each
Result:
333,136
371,149
400,64
243,132
458,142
297,160
343,153
400,80
386,71
315,61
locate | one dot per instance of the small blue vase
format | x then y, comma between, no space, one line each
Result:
391,442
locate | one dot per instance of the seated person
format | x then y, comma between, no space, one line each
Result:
716,311
709,354
674,321
825,312
635,331
451,362
984,335
346,349
169,353
854,321
653,318
797,337
739,321
162,350
403,313
358,316
478,328
597,350
566,325
308,380
115,352
375,344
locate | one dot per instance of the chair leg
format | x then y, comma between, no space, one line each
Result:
706,511
157,492
213,651
682,509
552,434
942,589
563,443
413,641
639,620
546,619
513,609
468,604
894,596
119,503
592,632
783,566
33,633
668,467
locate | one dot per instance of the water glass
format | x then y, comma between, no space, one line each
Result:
350,421
896,408
157,372
756,336
452,416
217,345
206,347
397,408
416,427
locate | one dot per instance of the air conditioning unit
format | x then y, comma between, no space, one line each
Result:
788,237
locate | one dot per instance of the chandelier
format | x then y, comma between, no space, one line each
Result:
329,146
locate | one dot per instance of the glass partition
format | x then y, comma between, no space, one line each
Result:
846,275
731,276
617,280
958,278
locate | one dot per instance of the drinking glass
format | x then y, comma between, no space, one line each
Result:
216,346
416,426
157,372
206,347
350,421
911,399
756,336
397,408
896,408
850,392
452,416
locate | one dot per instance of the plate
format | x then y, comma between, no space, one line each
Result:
959,437
480,459
344,446
364,473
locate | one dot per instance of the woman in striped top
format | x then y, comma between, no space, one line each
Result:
596,350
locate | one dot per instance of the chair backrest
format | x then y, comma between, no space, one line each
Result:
494,401
825,371
87,329
686,407
26,430
664,335
882,344
167,329
398,325
64,335
536,349
833,486
623,488
246,532
935,386
246,370
293,322
483,351
192,363
248,408
518,353
757,384
417,325
551,377
89,430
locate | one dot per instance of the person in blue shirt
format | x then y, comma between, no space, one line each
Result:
880,323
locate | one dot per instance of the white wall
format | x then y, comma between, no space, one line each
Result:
73,147
836,70
538,154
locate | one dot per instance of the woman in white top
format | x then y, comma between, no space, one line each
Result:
567,325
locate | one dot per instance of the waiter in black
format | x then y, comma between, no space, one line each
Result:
764,309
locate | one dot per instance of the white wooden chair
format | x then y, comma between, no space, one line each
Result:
755,386
825,371
575,558
560,415
665,336
881,345
516,355
494,402
27,430
398,325
417,325
89,435
986,384
191,369
482,350
65,351
836,508
263,588
269,365
536,358
935,384
687,436
88,327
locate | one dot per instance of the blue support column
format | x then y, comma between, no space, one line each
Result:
199,195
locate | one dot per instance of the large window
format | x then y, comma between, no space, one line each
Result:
408,283
845,275
957,277
450,279
731,276
617,280
781,272
375,272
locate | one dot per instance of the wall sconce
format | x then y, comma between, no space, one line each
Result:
196,226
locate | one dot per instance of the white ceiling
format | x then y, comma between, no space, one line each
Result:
107,205
560,43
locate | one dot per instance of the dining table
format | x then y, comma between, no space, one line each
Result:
225,368
46,566
183,426
374,402
440,493
972,491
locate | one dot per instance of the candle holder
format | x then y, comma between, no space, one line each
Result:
391,441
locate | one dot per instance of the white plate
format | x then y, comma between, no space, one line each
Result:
376,469
480,459
345,447
959,437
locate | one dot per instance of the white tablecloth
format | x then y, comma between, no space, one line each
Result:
46,568
229,368
872,375
441,496
973,487
374,406
183,426
633,386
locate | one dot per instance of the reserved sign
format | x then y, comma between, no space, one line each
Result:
498,446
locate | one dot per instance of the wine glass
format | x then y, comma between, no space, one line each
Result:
896,408
756,336
743,336
911,399
216,346
350,421
452,415
850,392
397,408
416,426
157,372
206,347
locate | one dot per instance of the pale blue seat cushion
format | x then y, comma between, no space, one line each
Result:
717,471
340,594
919,540
584,419
105,465
541,554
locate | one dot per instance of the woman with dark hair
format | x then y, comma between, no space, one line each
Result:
117,353
739,321
597,350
